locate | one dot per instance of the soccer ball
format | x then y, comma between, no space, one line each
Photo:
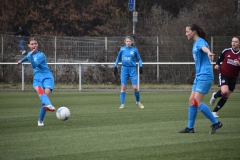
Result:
63,113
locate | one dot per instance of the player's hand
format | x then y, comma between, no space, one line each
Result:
115,70
19,62
216,66
140,70
33,50
237,62
211,56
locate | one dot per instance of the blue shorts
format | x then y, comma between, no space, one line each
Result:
202,86
44,80
128,72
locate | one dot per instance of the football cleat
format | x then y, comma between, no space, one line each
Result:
40,123
122,106
215,114
215,127
23,52
213,99
140,105
186,130
49,108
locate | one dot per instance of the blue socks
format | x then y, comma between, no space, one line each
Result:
207,112
192,114
42,113
44,98
137,95
122,97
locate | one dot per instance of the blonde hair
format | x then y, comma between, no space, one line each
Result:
128,37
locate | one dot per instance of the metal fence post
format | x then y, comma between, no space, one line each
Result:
157,60
80,77
212,44
2,48
2,55
22,77
106,50
55,58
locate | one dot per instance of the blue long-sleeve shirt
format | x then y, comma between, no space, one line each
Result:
128,55
38,62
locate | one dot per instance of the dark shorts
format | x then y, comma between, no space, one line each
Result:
230,82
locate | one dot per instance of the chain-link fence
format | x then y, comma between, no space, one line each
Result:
104,49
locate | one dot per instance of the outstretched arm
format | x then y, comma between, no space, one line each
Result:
210,54
23,60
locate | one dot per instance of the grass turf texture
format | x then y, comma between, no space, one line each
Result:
98,129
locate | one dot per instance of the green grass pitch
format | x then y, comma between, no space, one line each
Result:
98,129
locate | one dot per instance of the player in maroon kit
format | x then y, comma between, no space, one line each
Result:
228,74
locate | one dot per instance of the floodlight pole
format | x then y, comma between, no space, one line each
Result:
134,16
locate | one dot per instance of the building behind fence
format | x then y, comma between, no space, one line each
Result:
105,49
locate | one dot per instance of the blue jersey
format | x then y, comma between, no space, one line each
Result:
128,55
202,61
38,62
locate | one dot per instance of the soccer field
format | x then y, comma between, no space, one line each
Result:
98,129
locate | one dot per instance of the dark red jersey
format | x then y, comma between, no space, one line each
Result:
228,67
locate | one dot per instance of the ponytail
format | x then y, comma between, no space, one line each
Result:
199,30
201,33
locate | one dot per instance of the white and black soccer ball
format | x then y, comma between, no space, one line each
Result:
63,113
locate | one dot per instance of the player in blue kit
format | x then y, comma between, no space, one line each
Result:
43,81
203,79
128,55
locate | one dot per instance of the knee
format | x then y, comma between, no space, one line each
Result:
123,89
135,89
48,92
39,90
224,92
193,102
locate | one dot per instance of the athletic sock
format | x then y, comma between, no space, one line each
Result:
42,112
122,97
207,112
218,94
137,95
44,98
192,114
220,104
